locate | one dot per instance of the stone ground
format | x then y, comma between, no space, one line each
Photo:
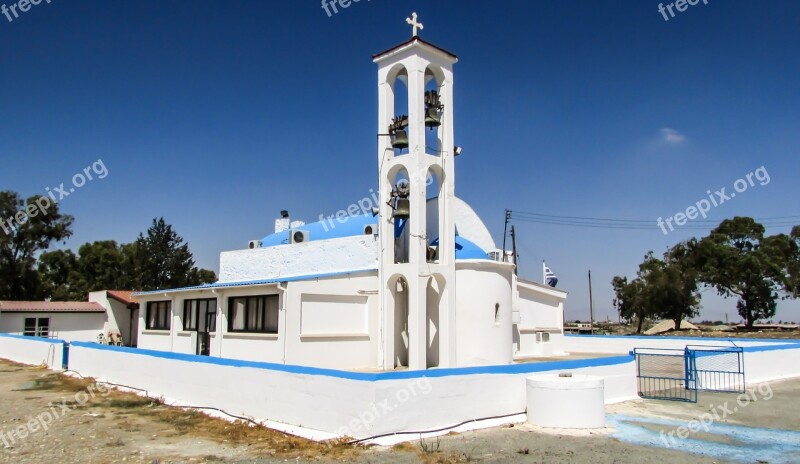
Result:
109,427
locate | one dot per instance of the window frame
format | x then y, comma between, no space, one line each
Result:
195,312
38,324
248,319
156,305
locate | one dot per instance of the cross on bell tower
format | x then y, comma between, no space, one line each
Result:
412,21
417,228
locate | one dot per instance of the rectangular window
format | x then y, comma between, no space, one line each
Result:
37,327
200,315
158,316
258,314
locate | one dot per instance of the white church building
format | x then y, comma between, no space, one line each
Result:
418,283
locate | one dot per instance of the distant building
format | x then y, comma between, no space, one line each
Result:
106,312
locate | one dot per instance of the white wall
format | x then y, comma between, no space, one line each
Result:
67,326
32,350
346,306
315,257
624,345
346,331
338,402
482,338
540,309
118,315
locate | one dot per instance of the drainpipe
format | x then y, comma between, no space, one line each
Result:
284,296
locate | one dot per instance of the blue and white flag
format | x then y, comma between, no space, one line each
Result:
549,277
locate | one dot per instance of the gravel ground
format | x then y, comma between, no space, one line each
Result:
116,427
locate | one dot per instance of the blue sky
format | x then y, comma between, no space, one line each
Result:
217,115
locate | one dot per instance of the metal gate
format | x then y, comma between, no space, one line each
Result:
716,368
677,375
663,374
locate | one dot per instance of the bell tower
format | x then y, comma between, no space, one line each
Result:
416,179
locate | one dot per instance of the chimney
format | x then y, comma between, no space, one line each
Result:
283,223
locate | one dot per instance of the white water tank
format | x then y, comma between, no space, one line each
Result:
566,401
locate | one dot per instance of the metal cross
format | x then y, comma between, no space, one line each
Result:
412,21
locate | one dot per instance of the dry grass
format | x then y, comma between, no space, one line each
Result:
184,421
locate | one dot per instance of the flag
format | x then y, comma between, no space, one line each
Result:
549,277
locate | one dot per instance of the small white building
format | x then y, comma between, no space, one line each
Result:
417,284
106,312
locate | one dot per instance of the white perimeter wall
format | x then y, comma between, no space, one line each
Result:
32,350
80,327
624,345
329,403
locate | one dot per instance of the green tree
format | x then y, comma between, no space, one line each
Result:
28,228
737,260
162,260
99,267
629,301
677,296
57,271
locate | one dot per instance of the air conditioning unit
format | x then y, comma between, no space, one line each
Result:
371,229
496,255
254,244
298,236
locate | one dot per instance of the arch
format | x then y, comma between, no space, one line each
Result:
435,306
397,291
433,209
398,82
400,227
434,80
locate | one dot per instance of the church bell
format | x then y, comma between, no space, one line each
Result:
399,139
402,208
432,117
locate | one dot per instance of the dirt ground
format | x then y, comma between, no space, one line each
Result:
79,421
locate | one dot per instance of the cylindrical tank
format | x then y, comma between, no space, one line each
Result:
566,401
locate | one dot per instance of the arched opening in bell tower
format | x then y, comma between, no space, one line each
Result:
434,106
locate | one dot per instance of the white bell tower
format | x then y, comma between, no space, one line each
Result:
417,230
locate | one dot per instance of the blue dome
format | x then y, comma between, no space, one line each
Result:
354,225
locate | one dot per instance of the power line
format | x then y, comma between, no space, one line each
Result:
636,224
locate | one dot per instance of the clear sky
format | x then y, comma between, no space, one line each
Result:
217,115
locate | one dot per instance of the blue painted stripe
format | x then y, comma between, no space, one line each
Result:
525,368
54,341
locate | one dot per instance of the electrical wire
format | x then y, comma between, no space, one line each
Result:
391,434
147,395
635,224
247,419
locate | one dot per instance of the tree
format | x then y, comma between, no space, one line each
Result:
629,300
665,289
677,295
737,260
100,266
57,273
162,260
28,227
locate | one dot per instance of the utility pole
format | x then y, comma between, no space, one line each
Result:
505,233
514,250
591,305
